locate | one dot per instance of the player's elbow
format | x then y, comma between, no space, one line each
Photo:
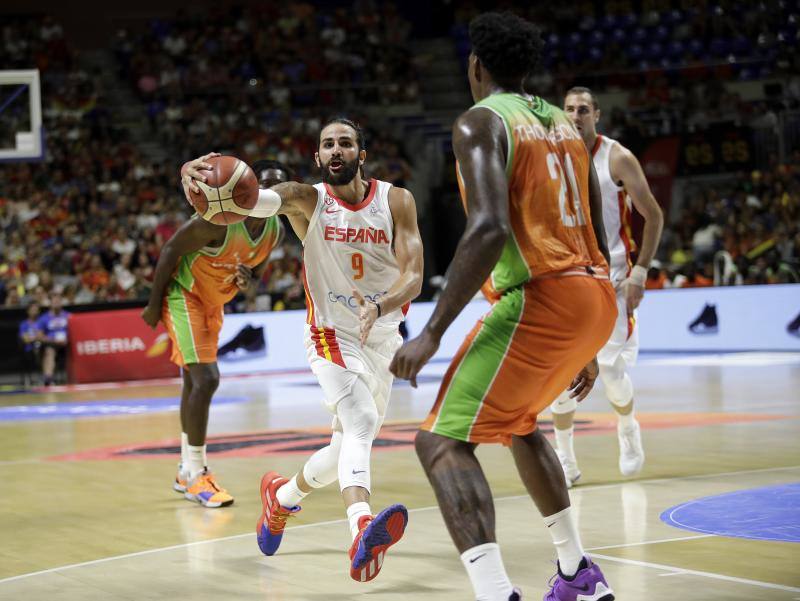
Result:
416,283
491,231
655,215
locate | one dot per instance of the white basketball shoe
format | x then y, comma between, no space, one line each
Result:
631,453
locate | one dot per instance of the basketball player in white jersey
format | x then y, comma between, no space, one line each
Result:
362,266
623,184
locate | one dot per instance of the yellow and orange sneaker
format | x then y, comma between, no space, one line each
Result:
181,478
204,489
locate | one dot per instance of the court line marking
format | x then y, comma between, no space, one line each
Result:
651,542
715,576
415,510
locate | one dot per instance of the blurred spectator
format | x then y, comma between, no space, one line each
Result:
53,326
30,337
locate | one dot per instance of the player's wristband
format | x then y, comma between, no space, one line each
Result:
638,276
268,204
377,306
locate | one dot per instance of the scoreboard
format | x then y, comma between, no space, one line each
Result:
720,148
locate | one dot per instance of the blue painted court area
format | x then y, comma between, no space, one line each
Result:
770,513
100,408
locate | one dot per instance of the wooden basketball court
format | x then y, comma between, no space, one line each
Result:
89,512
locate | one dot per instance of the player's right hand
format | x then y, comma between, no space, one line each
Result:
151,315
584,382
193,170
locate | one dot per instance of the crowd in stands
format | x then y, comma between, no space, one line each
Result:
258,80
674,59
89,221
744,232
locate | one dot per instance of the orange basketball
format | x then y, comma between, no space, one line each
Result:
229,193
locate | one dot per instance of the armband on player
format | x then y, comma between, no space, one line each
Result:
638,276
269,202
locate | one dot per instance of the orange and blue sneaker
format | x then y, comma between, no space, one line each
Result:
181,478
375,536
272,522
204,489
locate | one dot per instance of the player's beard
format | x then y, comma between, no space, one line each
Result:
344,176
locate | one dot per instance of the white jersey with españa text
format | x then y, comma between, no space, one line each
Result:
616,212
348,247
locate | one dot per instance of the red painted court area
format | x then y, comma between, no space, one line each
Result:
394,436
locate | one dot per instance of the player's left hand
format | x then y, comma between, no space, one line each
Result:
584,382
633,296
367,315
151,315
244,277
413,356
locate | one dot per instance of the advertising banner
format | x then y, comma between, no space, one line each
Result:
741,318
117,345
731,318
109,346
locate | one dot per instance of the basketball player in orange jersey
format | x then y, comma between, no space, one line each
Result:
362,266
621,181
201,268
535,230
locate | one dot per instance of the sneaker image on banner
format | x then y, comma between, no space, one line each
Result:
794,326
248,343
707,322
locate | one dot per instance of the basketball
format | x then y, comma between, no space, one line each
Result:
229,193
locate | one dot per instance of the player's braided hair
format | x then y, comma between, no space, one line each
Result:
507,45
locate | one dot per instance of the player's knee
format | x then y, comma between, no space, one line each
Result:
619,388
205,377
564,404
359,419
432,448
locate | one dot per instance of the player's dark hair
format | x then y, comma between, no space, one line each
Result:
583,90
507,45
356,128
264,164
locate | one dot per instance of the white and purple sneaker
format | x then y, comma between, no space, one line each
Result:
588,584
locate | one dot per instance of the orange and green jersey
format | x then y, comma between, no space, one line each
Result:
210,273
548,184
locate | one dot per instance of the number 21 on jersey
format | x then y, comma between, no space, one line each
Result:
556,170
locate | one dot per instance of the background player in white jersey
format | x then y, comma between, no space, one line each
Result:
622,183
362,266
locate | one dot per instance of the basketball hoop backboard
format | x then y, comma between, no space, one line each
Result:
20,115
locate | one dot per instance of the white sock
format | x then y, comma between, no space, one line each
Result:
354,512
196,460
487,573
626,421
184,450
564,531
564,442
290,494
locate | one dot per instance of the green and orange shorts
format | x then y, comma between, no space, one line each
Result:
521,355
192,325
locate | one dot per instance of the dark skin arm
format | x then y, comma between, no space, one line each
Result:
596,211
479,142
245,275
190,237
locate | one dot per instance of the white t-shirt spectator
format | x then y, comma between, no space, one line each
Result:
123,246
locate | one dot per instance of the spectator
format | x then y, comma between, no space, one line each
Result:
53,326
30,337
